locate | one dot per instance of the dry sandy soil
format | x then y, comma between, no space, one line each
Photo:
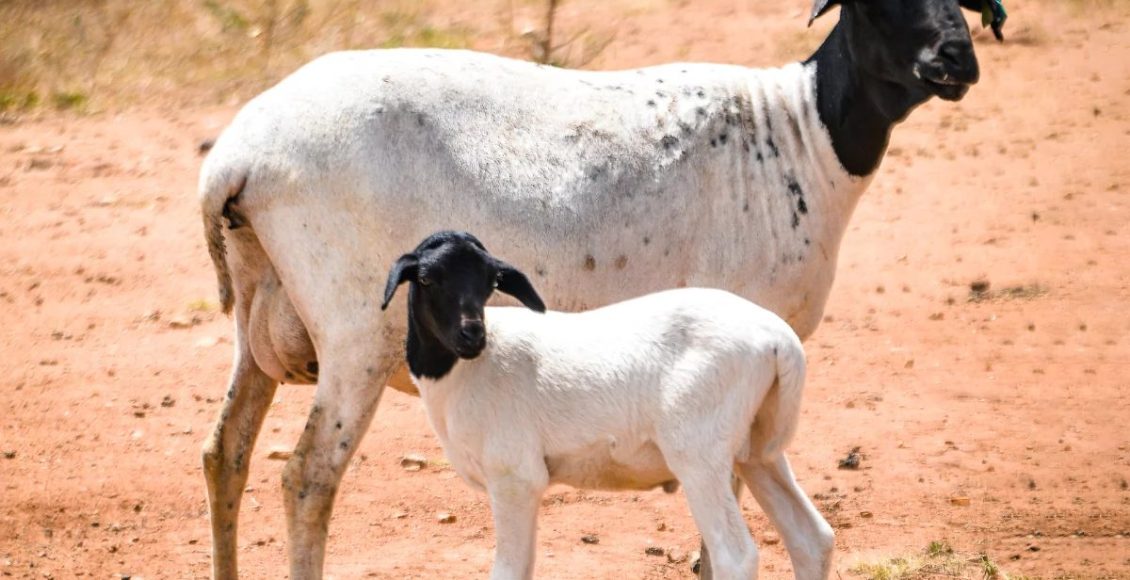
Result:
114,358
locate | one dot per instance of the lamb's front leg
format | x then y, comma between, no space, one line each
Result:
515,495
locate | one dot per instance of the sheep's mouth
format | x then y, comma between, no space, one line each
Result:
469,351
946,88
941,83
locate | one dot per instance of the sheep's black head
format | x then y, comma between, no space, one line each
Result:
923,46
451,276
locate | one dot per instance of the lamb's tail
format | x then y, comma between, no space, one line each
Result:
218,186
776,419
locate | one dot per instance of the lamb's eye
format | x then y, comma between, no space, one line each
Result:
425,281
494,283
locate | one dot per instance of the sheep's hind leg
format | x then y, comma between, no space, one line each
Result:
227,453
807,536
344,403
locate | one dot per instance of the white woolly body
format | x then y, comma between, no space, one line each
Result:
689,385
592,396
601,185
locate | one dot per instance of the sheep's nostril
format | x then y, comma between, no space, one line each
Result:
472,331
960,60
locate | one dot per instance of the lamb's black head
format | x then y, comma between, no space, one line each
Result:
451,276
923,46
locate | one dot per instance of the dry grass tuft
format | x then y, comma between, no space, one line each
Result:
938,560
1019,292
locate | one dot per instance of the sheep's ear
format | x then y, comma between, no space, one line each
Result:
819,7
402,271
992,14
513,282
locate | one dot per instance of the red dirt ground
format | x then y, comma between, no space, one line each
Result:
1018,402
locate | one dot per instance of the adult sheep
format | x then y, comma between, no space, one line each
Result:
606,185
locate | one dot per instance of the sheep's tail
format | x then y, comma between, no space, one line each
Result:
776,420
218,186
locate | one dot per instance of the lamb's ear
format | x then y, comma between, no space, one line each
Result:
819,7
402,271
513,282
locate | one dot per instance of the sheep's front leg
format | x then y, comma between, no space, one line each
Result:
344,404
515,495
227,455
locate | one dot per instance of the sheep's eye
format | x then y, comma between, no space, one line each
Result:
497,278
425,281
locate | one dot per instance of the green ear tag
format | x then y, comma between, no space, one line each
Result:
993,14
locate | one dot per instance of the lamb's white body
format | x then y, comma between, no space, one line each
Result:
606,185
688,384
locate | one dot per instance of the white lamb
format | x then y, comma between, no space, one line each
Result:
688,385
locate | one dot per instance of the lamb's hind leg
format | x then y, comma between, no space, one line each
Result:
807,536
707,483
227,453
702,565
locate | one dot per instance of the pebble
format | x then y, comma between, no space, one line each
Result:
413,462
654,551
445,517
280,454
180,322
852,460
590,539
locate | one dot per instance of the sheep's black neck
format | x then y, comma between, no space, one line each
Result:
427,357
858,109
